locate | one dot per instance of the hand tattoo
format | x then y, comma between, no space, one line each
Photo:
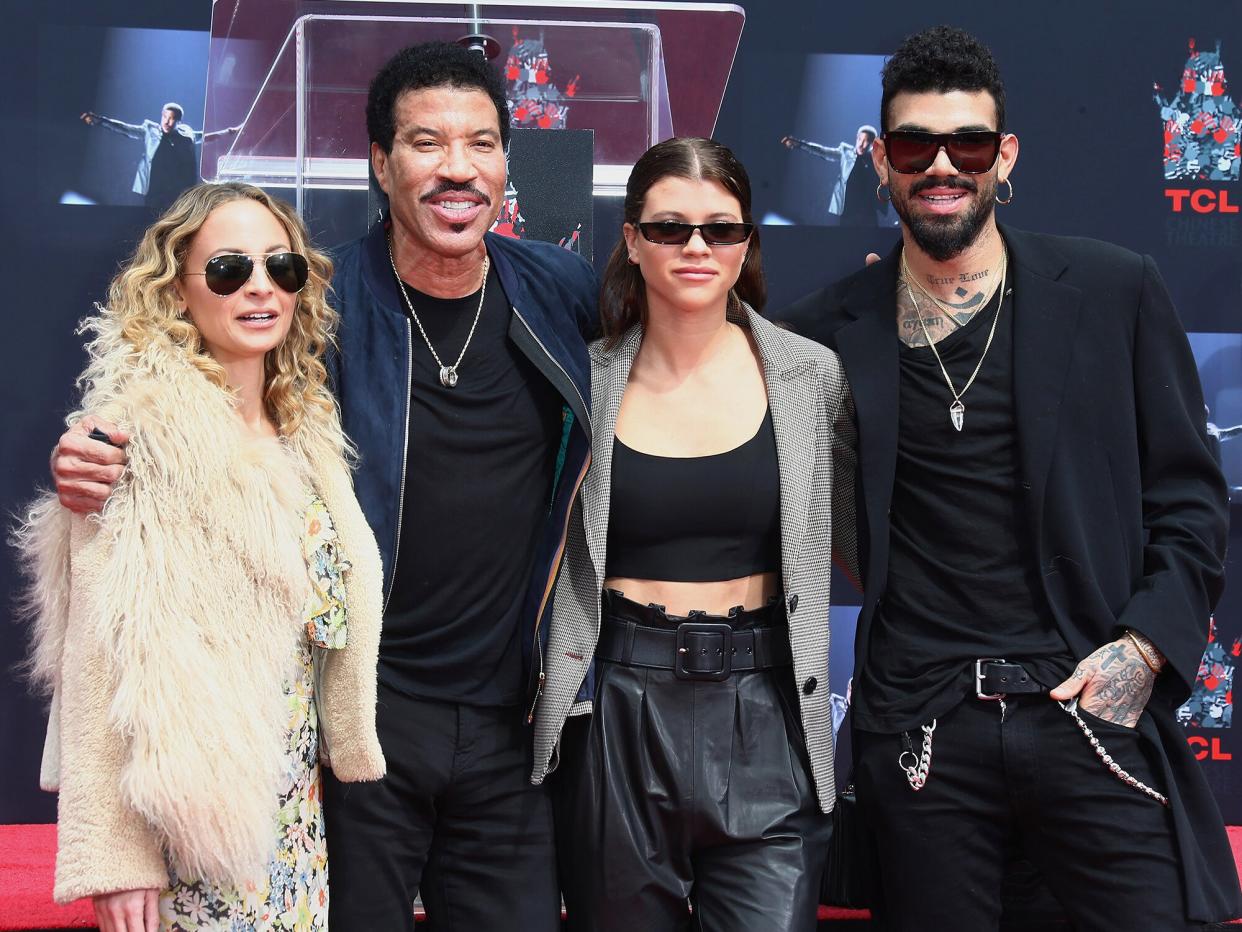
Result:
1118,683
1112,654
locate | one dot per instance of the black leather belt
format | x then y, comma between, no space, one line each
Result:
694,650
996,679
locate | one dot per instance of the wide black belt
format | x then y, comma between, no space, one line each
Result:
995,679
694,650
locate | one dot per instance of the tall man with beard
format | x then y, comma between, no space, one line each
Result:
1042,527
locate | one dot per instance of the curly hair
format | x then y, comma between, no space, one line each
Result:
942,58
430,64
623,293
143,300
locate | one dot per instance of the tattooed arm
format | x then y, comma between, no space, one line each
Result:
1115,681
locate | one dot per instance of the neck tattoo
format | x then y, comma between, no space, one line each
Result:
959,314
957,410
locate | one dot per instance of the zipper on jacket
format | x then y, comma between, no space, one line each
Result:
586,411
405,457
547,591
318,659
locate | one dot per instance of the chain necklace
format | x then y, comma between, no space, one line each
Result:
957,410
448,374
949,309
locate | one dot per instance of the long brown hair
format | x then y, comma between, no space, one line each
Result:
623,294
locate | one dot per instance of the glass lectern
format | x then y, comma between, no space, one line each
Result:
294,75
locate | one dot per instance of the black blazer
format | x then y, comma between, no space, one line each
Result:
1125,499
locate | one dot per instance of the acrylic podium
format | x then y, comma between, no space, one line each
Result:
294,74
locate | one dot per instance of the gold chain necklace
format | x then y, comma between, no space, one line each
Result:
957,410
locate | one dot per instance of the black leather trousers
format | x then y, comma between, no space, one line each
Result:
679,793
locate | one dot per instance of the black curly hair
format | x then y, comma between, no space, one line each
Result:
942,58
430,64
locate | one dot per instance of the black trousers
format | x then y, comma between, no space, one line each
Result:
678,791
1029,781
456,817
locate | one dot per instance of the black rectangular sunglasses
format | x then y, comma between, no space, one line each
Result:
227,273
676,233
913,151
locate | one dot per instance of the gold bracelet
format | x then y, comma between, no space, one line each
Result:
1142,653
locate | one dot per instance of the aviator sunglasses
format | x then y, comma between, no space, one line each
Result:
913,151
676,233
226,274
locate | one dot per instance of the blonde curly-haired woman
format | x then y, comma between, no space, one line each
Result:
212,634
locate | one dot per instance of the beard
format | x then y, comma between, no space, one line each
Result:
946,237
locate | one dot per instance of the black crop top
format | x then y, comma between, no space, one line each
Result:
698,518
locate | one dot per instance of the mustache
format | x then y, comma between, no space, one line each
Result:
456,187
957,181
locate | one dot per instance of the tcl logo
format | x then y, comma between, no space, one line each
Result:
1201,201
1207,749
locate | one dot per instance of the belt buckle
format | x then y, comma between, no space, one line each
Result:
725,633
979,675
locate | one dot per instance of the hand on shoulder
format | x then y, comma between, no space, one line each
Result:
85,470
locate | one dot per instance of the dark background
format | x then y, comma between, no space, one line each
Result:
1079,79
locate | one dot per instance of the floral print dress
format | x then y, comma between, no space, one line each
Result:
294,895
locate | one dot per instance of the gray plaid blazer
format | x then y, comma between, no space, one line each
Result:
813,417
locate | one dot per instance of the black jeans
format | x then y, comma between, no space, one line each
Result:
677,790
456,817
1032,782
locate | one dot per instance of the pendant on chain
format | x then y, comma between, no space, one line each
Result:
448,377
957,414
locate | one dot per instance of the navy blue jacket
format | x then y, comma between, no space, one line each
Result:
554,296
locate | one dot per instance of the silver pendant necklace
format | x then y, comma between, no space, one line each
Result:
957,410
448,374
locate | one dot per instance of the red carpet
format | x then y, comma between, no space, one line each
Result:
28,852
27,856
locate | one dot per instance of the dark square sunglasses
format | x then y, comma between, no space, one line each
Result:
226,274
911,151
676,233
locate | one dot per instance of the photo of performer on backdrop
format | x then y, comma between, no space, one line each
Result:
827,117
169,161
145,89
854,198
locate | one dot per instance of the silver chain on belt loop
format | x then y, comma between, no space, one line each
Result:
916,773
1118,771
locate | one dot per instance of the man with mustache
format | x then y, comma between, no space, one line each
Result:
463,379
1042,529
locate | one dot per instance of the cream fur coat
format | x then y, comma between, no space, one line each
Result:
166,626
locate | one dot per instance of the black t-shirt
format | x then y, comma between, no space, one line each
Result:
173,169
861,209
963,579
478,480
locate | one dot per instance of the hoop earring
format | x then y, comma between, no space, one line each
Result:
1009,198
880,197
